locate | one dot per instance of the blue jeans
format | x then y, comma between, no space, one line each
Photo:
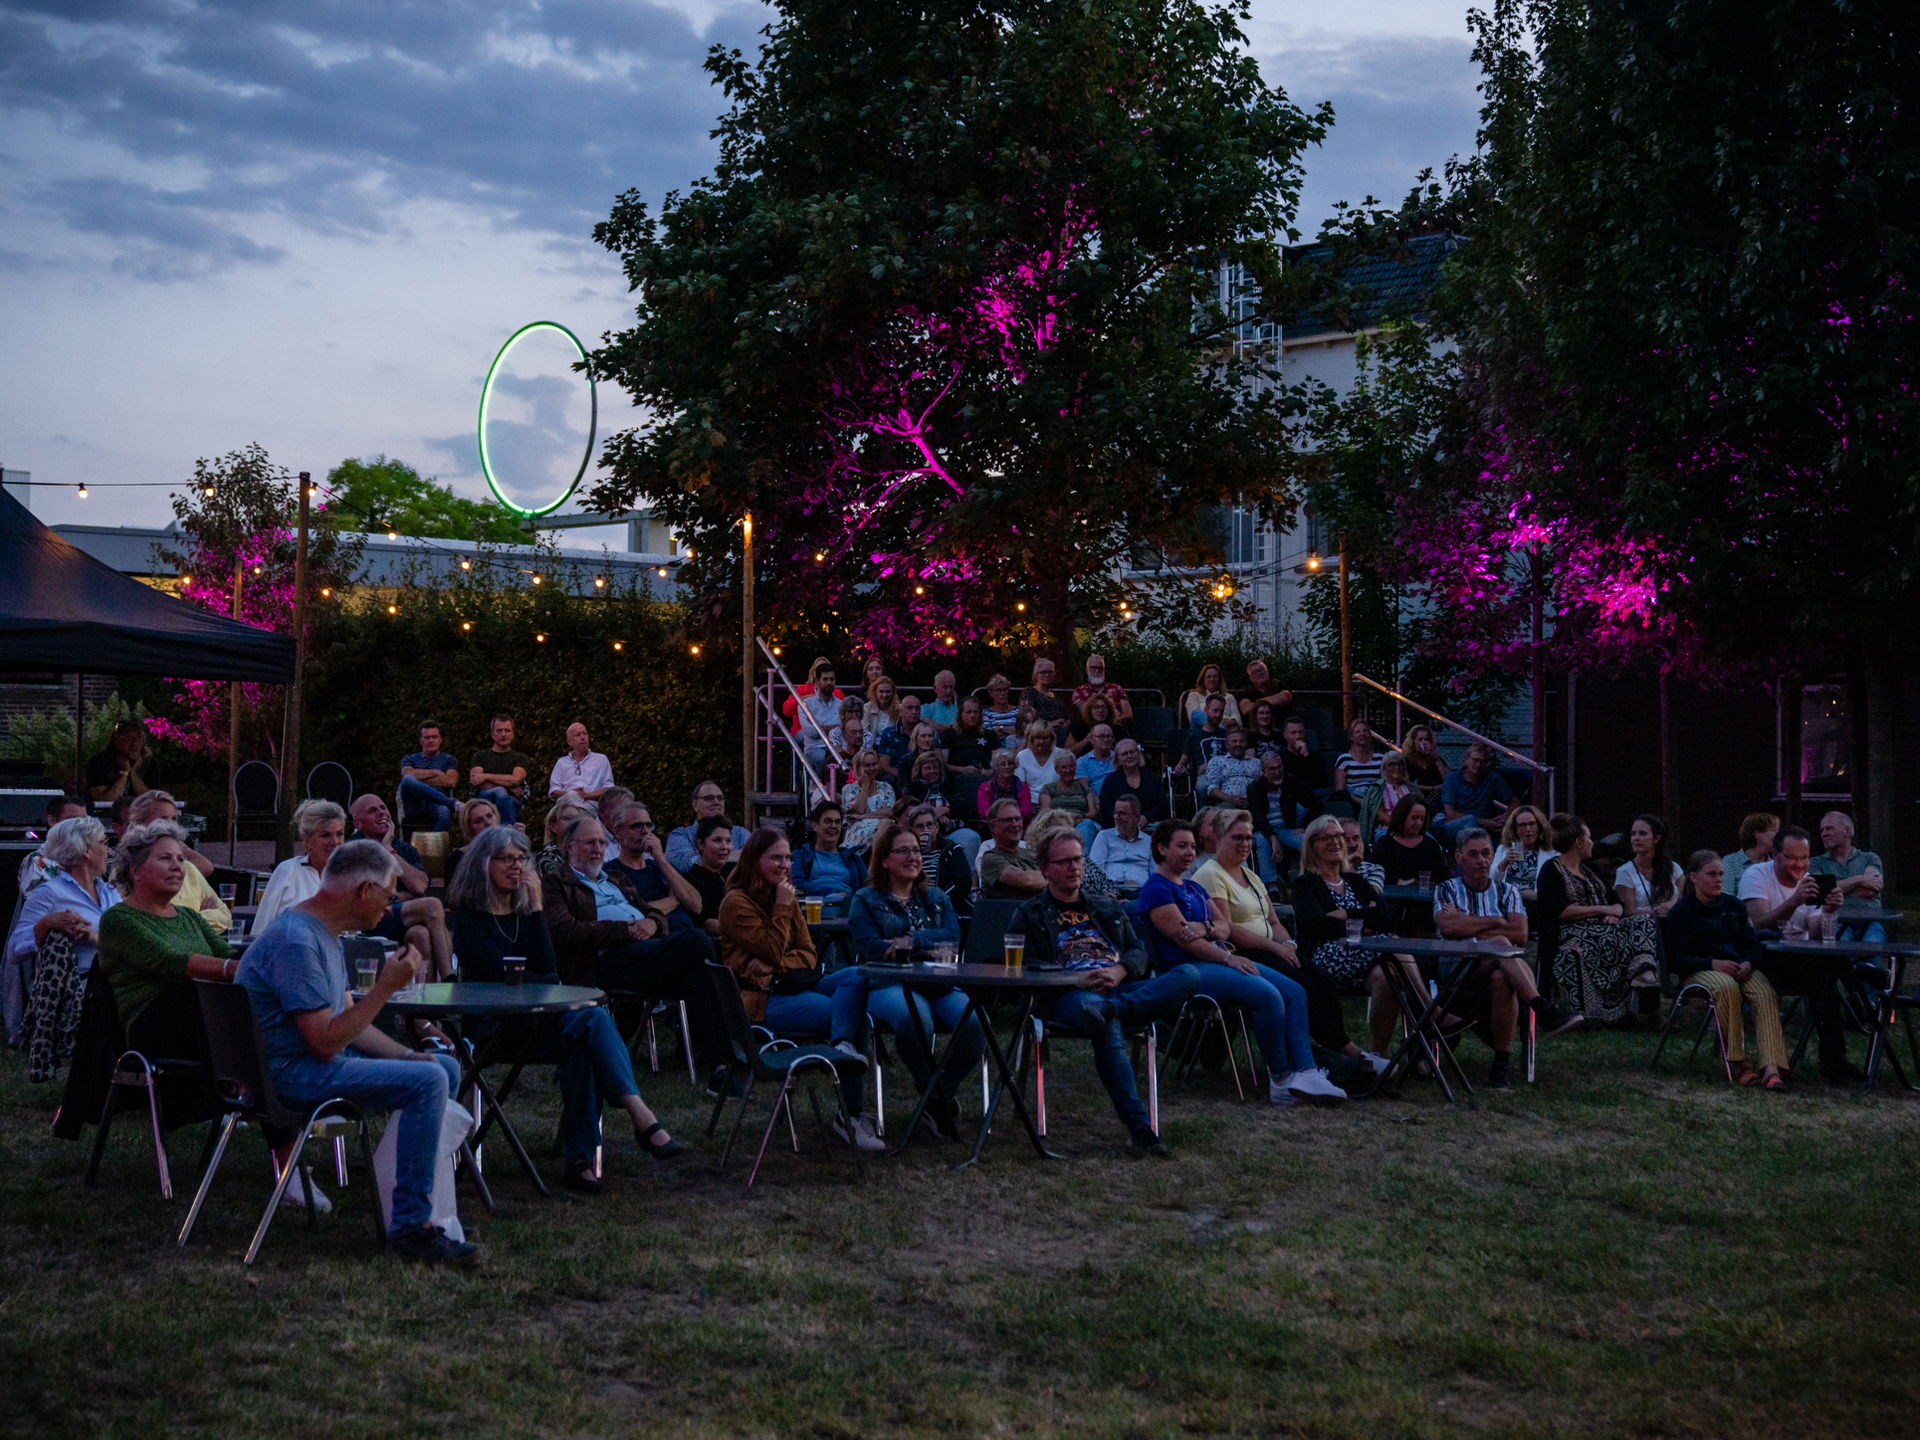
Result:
419,798
1110,1059
938,1016
1447,831
1087,830
1277,1006
417,1090
506,804
833,1010
969,842
596,1069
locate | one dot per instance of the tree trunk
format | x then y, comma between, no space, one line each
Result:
1858,770
1882,684
1791,748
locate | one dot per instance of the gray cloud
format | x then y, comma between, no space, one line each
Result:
333,115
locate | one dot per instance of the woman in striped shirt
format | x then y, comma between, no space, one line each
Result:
1360,766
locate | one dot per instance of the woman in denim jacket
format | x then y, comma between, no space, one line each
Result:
895,913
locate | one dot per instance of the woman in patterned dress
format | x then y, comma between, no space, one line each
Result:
1596,954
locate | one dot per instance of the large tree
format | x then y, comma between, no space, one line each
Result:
1684,320
381,493
944,318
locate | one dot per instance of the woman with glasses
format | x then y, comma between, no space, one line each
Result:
895,915
826,866
472,817
494,905
1131,777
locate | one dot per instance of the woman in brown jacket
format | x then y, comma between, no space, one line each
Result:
764,940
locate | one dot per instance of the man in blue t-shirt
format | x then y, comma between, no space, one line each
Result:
320,1045
1475,794
427,780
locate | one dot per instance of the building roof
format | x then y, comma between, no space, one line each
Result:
1398,284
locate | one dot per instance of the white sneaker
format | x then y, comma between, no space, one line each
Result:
296,1194
849,1049
1314,1085
1378,1062
863,1135
1279,1090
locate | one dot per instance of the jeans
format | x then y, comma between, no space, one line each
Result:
419,798
1447,831
835,1009
1110,1058
417,1089
1277,1007
938,1015
969,842
596,1070
1087,830
507,805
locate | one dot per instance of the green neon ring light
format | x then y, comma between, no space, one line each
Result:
486,396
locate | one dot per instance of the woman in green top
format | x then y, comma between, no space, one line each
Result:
150,948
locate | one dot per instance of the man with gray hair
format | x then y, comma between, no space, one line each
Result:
1859,875
320,1043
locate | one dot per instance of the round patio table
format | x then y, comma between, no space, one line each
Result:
1424,1038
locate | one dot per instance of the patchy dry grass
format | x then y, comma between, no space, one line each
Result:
1609,1253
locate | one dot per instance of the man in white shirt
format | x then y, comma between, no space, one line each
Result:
582,771
1125,852
1781,894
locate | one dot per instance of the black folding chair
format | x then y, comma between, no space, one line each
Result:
1690,994
784,1062
254,794
329,780
244,1081
133,1076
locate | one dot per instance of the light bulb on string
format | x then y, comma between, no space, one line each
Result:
83,492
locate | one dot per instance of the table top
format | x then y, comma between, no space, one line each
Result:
1843,949
1408,892
977,977
830,925
1867,913
483,998
1426,945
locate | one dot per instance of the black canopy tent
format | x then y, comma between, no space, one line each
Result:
60,609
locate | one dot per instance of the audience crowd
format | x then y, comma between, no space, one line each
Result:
1232,857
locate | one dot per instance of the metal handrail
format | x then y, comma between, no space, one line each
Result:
1438,718
776,727
800,710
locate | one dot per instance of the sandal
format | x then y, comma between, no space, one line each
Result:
668,1151
1773,1082
1745,1074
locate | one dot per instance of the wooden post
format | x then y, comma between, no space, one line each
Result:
1346,644
290,737
79,776
746,667
233,722
1537,569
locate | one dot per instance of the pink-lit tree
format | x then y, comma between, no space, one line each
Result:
946,320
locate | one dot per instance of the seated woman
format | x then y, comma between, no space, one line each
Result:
1597,954
1003,782
1184,932
319,829
932,788
1360,766
1034,764
1710,942
713,863
891,918
1394,787
1426,767
826,867
1328,894
150,948
552,859
1069,794
1241,901
1649,879
494,903
1211,681
1048,706
1523,846
472,817
1097,711
882,706
764,940
1001,713
969,746
867,800
70,903
943,861
1406,851
1263,731
1131,777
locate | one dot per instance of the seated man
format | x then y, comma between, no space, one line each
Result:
1304,763
1092,935
1099,761
1228,777
1281,806
642,862
1471,906
821,705
944,709
427,781
1782,896
682,850
126,767
895,743
1262,691
1200,743
604,935
1124,853
1858,875
583,772
1007,871
321,1045
500,774
416,918
1475,794
1097,684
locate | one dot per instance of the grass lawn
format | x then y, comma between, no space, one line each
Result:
1608,1253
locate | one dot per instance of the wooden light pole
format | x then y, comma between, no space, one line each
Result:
1346,644
233,719
746,666
290,737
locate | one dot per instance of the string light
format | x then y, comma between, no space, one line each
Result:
693,649
819,556
661,572
466,564
83,491
536,579
1313,562
776,652
1021,607
466,624
393,534
919,589
326,592
209,492
599,582
186,580
621,645
393,609
541,638
256,569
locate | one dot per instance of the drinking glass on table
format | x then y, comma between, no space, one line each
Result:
1354,927
1016,949
1426,879
228,893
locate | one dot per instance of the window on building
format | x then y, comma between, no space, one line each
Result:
1826,741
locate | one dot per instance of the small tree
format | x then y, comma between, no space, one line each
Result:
946,318
236,523
379,492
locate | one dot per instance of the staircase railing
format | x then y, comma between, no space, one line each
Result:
774,733
1448,723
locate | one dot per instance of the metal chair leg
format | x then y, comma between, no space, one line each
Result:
206,1176
159,1137
1153,1076
1040,1078
340,1161
686,1047
779,1107
280,1189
